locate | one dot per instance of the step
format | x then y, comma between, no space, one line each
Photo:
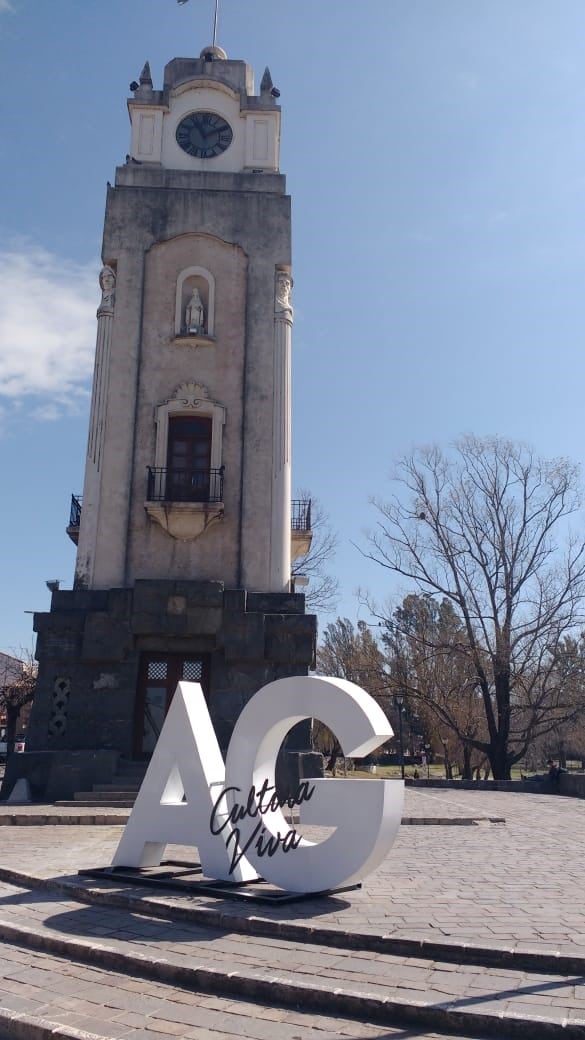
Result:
101,803
235,917
97,797
418,993
25,816
125,786
98,1001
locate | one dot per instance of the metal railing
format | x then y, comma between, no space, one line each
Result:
75,514
300,516
185,485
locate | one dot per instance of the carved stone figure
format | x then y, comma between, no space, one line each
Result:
195,314
283,291
108,286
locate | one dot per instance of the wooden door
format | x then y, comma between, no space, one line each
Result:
157,681
188,459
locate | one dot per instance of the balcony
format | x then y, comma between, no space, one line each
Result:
184,502
180,500
74,518
185,485
300,523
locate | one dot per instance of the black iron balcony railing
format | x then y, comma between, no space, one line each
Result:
185,485
300,519
75,514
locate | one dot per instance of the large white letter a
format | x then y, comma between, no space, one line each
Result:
185,777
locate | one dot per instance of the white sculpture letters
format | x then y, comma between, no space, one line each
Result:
234,815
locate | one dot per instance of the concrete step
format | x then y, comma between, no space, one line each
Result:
121,785
98,796
121,791
93,803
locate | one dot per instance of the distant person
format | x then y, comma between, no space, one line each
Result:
552,776
554,771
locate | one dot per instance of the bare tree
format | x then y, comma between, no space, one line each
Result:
17,689
566,738
348,653
351,653
481,528
429,663
322,592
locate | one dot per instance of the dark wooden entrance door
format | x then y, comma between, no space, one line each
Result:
188,459
157,681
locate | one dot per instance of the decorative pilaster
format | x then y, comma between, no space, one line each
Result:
281,435
105,314
97,421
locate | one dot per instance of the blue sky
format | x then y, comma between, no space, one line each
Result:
435,153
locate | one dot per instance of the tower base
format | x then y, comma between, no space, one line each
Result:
109,661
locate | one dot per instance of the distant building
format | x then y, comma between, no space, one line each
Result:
12,671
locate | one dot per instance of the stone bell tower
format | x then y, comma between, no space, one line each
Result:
184,530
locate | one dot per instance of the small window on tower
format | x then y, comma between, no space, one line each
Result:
157,669
193,671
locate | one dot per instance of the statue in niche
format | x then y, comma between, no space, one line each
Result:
195,314
108,286
283,291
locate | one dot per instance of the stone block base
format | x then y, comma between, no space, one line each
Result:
93,644
55,775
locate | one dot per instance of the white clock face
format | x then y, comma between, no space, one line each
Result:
204,135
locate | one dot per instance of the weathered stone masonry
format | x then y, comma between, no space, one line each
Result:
91,641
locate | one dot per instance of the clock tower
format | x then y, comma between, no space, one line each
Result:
183,533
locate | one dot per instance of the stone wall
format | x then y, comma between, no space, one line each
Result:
570,784
89,649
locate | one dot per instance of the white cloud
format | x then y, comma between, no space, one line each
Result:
47,329
5,5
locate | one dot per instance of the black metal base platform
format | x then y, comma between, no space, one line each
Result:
187,878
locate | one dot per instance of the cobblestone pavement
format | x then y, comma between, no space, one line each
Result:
501,886
132,950
514,885
43,992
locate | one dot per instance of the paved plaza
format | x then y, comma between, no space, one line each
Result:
474,926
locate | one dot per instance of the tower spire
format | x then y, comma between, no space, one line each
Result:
145,76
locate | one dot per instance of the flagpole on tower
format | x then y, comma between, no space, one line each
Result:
215,22
215,18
